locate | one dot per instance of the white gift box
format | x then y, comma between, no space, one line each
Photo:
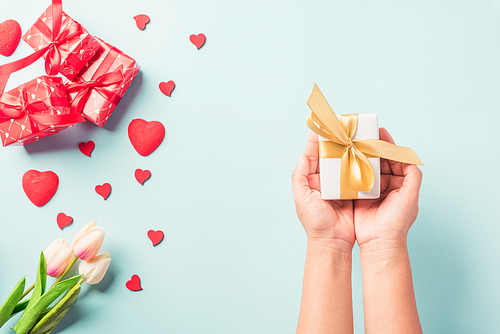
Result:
330,167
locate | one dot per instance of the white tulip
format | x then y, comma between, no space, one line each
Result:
94,270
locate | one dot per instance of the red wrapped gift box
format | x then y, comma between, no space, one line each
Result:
75,46
96,91
34,110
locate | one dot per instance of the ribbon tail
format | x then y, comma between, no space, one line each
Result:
388,151
362,175
57,119
346,189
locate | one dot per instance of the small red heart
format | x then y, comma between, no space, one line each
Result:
40,187
142,175
63,220
10,35
198,40
155,236
86,148
167,87
141,21
103,190
145,136
134,284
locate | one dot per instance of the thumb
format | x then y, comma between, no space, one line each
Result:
412,181
300,183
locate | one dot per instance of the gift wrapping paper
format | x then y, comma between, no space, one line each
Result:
99,107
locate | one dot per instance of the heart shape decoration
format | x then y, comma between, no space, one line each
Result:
141,21
155,236
167,87
142,175
145,136
103,190
63,220
40,187
134,284
87,148
10,35
198,40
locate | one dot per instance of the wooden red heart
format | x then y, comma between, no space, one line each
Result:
10,35
134,284
40,187
167,87
63,220
141,21
155,236
86,148
142,175
145,136
198,40
103,190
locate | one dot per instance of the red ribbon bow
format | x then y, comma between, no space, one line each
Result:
98,84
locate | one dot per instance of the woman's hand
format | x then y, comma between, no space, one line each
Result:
322,220
388,218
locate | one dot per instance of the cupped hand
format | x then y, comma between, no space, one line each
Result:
321,219
389,217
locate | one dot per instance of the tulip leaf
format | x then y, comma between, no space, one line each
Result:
10,303
21,306
56,313
31,315
39,290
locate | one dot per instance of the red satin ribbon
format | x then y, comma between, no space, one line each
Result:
52,51
98,84
16,107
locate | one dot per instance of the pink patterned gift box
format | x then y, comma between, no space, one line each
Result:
75,52
45,90
98,89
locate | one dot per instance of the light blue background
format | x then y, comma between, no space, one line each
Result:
233,254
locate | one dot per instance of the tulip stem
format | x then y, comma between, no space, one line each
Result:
65,271
27,291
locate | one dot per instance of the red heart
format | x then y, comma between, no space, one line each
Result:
40,187
145,136
103,190
134,284
10,35
86,148
142,175
198,40
63,220
155,236
167,87
141,21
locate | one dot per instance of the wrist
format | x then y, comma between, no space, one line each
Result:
334,251
383,251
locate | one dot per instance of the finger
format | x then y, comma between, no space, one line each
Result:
314,182
396,167
389,183
412,182
385,168
312,152
300,183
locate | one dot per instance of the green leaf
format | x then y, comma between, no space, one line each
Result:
41,278
52,318
31,316
10,303
19,307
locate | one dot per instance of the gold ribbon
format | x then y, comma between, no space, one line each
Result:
356,171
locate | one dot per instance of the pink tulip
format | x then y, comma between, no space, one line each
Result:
58,256
94,270
88,241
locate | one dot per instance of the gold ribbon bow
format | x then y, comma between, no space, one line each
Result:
356,171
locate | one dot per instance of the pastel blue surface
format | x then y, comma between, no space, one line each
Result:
234,251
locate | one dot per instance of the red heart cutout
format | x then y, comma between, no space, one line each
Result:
103,190
63,220
86,148
10,35
145,136
142,175
167,87
40,187
134,284
155,236
141,21
198,40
